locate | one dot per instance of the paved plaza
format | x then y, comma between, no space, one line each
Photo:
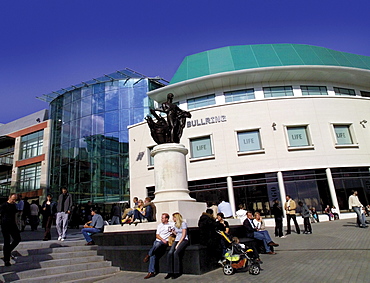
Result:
337,251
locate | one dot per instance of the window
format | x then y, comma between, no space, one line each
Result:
298,136
150,157
201,147
314,90
29,177
278,91
343,134
239,95
249,141
31,145
344,91
201,101
365,93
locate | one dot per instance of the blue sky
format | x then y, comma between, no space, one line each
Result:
46,45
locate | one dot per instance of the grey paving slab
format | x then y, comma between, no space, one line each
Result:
337,251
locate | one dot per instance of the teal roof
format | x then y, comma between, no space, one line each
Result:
234,58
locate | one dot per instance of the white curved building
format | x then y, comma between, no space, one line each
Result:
268,120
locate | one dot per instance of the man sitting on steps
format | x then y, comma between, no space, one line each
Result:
94,226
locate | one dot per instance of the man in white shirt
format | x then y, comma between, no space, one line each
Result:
225,208
355,204
164,230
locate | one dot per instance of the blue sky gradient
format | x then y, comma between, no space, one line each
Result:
46,45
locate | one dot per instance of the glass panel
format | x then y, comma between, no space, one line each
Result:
297,136
239,95
314,90
111,121
111,100
201,147
86,106
31,144
249,141
344,91
278,91
201,101
97,124
343,134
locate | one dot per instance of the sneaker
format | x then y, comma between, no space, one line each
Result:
283,237
59,238
62,239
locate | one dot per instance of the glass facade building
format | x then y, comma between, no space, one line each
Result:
90,137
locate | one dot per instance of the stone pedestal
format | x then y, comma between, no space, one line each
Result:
171,182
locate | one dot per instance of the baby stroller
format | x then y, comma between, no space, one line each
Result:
237,259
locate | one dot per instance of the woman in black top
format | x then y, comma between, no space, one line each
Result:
49,209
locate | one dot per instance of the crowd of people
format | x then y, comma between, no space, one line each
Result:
214,228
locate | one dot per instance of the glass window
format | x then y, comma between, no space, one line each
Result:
201,147
29,177
278,91
365,93
314,90
201,101
31,144
344,91
239,95
298,136
343,134
249,141
150,157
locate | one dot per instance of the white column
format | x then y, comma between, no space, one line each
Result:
333,194
230,191
282,190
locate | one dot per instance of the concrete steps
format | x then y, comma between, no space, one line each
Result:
54,261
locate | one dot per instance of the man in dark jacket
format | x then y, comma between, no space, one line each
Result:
305,212
9,227
63,210
277,211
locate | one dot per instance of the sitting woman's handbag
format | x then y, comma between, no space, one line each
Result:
171,239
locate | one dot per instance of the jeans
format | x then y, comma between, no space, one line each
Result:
278,227
173,257
115,220
87,232
152,259
265,237
307,224
358,211
62,224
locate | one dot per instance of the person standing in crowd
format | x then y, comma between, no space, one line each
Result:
305,212
222,225
63,210
115,214
164,230
290,207
26,213
20,207
225,208
34,211
49,209
277,211
241,213
355,204
9,228
180,243
96,225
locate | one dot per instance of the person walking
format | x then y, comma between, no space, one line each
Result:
63,210
290,207
20,207
35,212
305,212
355,204
9,228
164,230
49,209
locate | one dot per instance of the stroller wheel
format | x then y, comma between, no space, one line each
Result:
254,269
228,269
